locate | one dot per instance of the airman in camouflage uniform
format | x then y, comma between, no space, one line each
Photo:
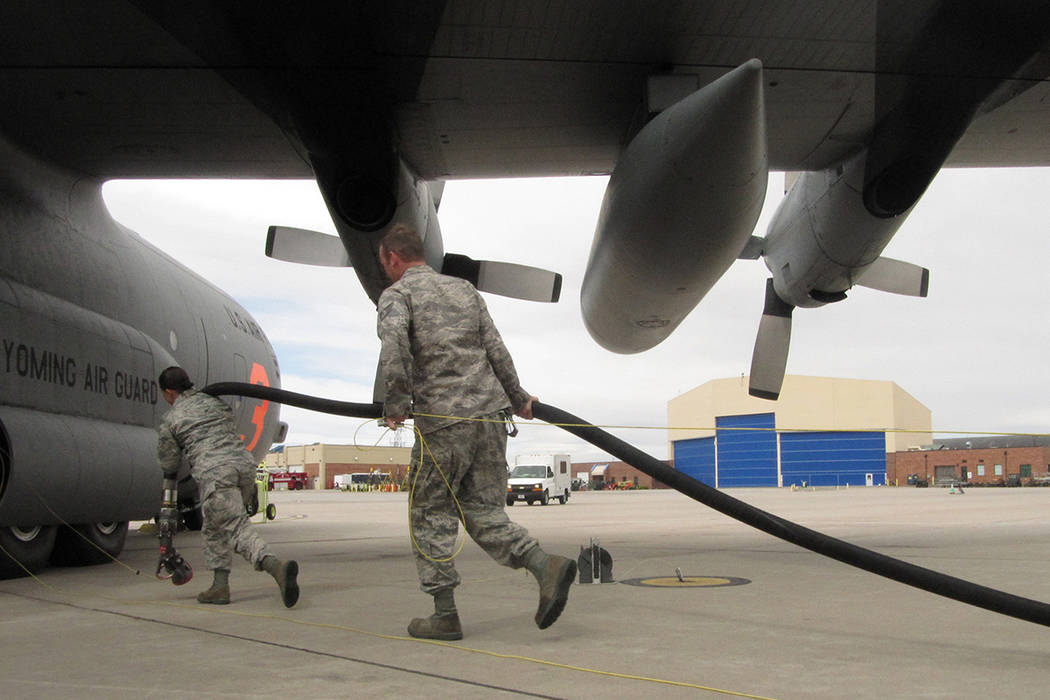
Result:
442,356
200,428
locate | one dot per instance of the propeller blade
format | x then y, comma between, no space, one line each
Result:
300,245
769,360
506,279
896,277
752,249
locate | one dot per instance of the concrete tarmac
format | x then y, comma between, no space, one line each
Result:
795,625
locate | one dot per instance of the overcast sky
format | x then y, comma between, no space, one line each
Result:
974,351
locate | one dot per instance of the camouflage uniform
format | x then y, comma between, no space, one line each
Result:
200,427
442,355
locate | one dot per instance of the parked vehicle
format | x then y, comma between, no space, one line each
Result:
292,481
539,478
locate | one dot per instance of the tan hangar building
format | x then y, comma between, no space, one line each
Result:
822,431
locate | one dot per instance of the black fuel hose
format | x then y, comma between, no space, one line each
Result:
840,550
290,398
926,579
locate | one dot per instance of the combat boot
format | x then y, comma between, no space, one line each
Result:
555,575
284,573
443,627
219,593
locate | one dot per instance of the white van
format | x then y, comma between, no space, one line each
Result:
540,478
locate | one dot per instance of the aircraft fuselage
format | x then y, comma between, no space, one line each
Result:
89,315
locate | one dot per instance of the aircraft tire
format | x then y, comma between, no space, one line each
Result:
31,546
88,544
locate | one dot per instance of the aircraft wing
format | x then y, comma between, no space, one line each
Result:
474,88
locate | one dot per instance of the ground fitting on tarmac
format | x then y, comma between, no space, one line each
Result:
687,581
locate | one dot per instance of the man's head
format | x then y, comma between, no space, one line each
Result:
173,381
400,249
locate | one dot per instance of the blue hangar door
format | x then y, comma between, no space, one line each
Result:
696,458
747,450
833,459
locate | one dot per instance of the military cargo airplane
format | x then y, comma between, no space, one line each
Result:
686,105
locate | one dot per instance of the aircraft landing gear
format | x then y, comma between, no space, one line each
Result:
30,545
88,544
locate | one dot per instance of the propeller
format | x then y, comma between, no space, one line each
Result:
307,247
769,359
506,279
896,277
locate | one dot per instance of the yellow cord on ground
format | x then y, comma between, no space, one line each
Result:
425,449
756,429
459,647
484,652
72,529
411,494
28,572
415,470
400,638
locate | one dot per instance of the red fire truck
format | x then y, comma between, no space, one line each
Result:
293,481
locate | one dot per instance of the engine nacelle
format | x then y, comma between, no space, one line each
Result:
411,203
679,207
822,238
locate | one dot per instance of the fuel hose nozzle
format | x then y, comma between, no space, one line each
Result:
171,563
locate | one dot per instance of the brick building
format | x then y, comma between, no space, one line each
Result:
1009,460
598,475
323,462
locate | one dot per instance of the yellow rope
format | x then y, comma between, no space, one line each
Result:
392,637
28,572
462,538
46,505
411,495
716,428
459,647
